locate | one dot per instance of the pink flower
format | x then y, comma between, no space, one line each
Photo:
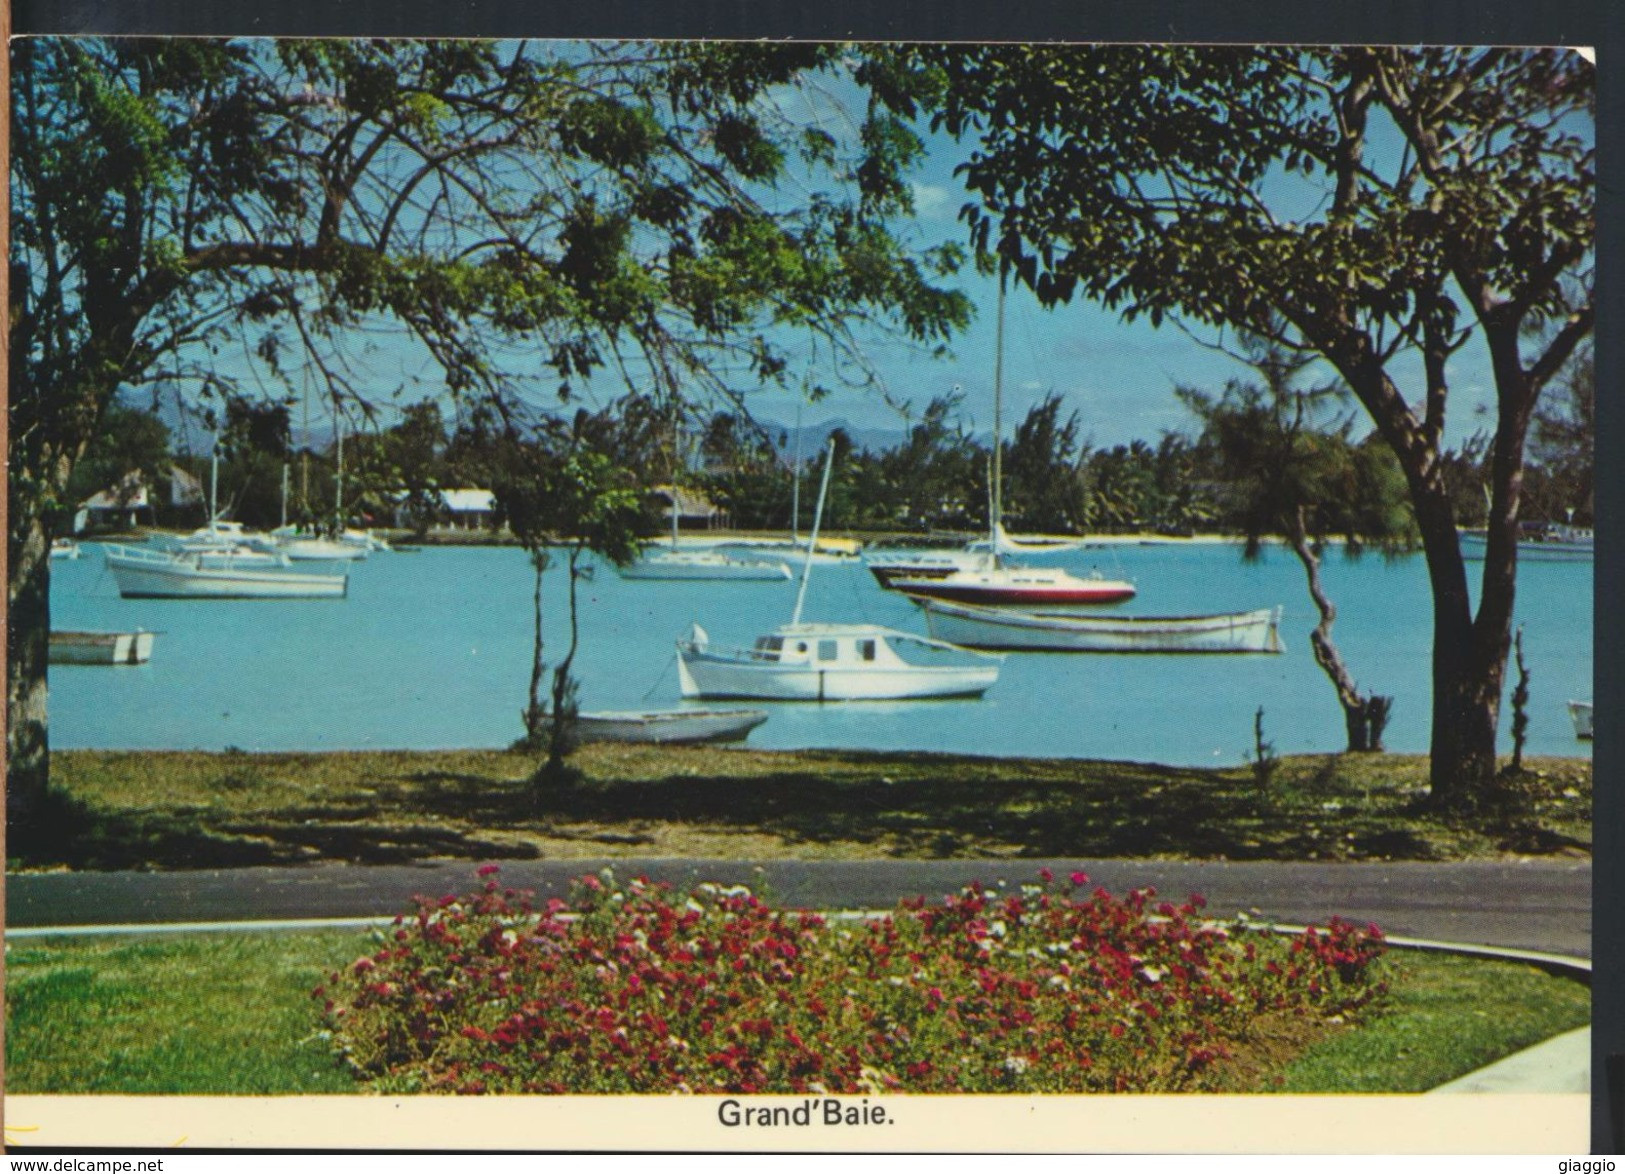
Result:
1080,878
1045,875
489,870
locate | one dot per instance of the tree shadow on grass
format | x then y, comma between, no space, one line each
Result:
392,810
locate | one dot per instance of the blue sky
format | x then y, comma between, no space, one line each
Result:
1118,377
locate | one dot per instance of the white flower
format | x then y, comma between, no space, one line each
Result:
1016,1065
997,929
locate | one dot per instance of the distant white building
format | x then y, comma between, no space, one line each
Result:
461,509
129,503
695,510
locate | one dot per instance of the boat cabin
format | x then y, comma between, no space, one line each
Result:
843,649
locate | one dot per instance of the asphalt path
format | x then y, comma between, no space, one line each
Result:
1541,905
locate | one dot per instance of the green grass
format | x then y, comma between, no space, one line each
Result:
228,1013
163,809
232,1014
1446,1016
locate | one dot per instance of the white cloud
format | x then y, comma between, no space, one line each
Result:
930,201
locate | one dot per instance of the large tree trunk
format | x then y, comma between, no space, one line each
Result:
1469,656
28,628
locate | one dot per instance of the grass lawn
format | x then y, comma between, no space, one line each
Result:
163,809
232,1013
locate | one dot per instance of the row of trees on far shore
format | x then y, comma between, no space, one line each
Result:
933,480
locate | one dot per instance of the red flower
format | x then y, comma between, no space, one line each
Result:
1080,878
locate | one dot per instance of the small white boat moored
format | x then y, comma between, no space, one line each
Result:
668,727
833,662
101,647
1580,715
974,626
148,574
64,548
704,564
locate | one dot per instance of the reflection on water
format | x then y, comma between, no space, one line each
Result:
432,649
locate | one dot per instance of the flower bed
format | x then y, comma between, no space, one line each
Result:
638,989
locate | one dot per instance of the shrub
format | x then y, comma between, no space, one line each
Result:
638,989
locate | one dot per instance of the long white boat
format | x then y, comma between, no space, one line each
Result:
1580,715
669,727
101,647
148,574
973,626
832,662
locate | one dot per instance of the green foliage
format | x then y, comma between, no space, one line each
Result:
1043,488
1282,453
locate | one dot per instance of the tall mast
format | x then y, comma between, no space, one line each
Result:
795,482
997,511
338,483
214,484
818,518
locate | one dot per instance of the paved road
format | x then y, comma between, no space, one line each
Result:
1532,905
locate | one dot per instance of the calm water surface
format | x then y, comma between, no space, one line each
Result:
432,649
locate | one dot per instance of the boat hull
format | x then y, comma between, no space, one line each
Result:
712,676
669,727
955,589
1549,550
101,648
991,628
145,576
321,550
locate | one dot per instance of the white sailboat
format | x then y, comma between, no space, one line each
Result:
301,545
220,544
832,662
995,581
711,563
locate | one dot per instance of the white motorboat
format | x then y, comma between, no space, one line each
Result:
832,662
997,628
1580,715
670,727
101,647
64,548
150,574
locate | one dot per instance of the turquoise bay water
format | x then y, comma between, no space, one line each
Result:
432,650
